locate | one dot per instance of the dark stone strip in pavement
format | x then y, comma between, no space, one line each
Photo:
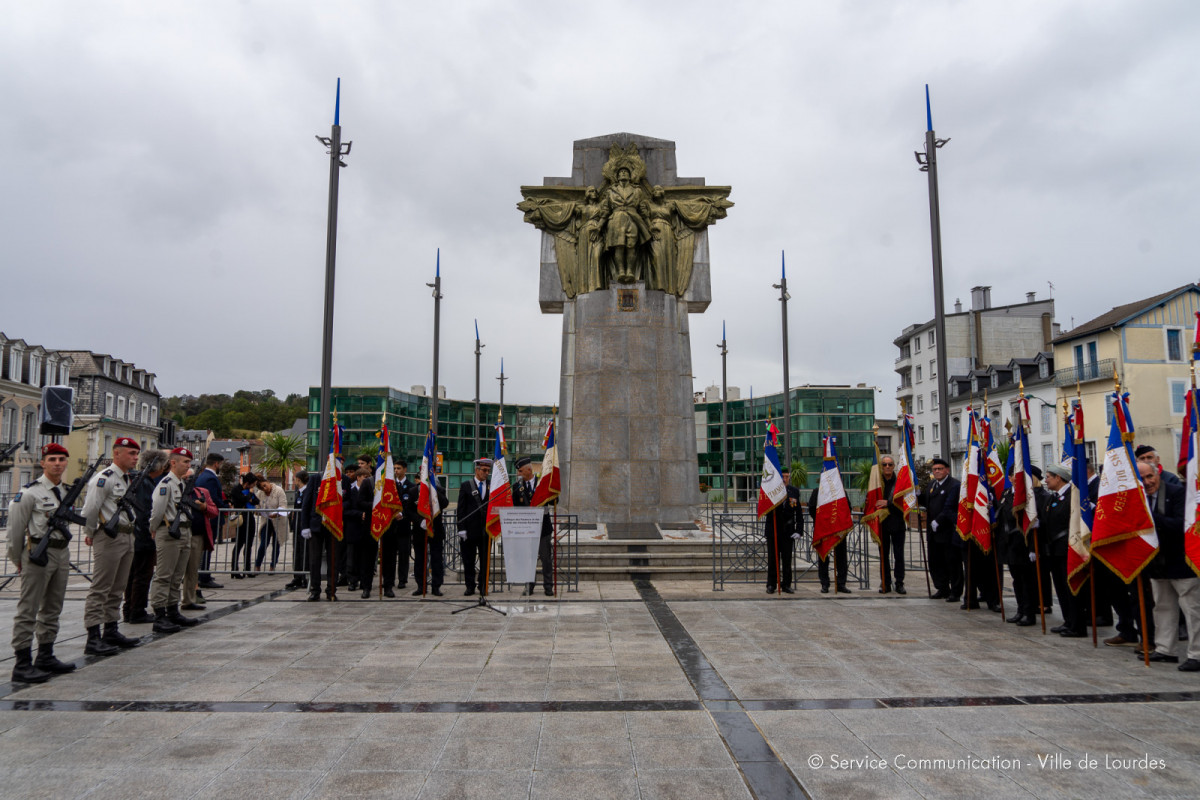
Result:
765,774
9,688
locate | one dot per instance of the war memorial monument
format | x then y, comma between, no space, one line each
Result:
625,260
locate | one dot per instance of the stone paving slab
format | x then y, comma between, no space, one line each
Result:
858,695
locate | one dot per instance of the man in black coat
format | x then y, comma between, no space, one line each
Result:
523,496
892,529
429,558
145,554
840,554
940,501
472,534
396,542
211,482
299,578
1017,552
320,542
1054,522
1176,586
782,526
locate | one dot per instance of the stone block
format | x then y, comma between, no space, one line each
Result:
643,349
586,440
643,396
586,394
645,437
614,395
588,351
614,487
614,354
645,477
615,438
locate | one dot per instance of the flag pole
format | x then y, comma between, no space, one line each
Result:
428,532
928,164
775,523
554,533
724,420
787,387
882,569
478,351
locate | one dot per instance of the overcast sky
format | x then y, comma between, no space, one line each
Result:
164,199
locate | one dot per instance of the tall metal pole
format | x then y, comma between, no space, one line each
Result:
437,340
334,143
478,351
787,386
724,420
928,162
502,379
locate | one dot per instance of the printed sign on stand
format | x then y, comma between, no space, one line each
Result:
521,531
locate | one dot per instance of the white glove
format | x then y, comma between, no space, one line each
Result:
933,526
423,524
1032,557
306,534
462,535
796,536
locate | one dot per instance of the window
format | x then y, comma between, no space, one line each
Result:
917,345
931,339
108,404
920,404
1089,448
1043,369
1177,387
932,368
918,373
957,428
64,374
921,434
154,415
5,483
120,408
30,435
1108,409
1047,419
107,444
1047,456
995,380
8,431
935,431
933,400
35,365
974,385
14,365
145,414
133,408
1174,344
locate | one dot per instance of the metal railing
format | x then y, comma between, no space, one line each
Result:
1097,370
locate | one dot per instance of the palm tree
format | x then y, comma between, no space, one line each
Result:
283,452
799,477
862,475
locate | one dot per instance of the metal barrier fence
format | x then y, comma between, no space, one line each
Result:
247,543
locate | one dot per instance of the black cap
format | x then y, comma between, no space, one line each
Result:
1036,472
941,461
1142,449
524,461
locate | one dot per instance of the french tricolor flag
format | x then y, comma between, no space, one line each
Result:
771,489
833,508
1123,536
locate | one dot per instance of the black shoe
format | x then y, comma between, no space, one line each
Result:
211,585
1048,610
1071,633
140,617
940,594
1058,629
885,590
418,593
548,591
352,586
1163,658
179,619
843,590
366,593
47,662
113,635
824,590
994,607
770,590
436,592
1025,622
953,598
470,591
1014,618
341,582
163,623
1190,665
1104,622
237,576
24,671
789,590
314,597
331,597
96,646
292,584
194,607
900,589
387,592
403,586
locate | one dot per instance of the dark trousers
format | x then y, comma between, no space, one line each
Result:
839,565
434,547
345,560
396,549
946,568
1070,605
779,560
1024,578
546,556
982,571
1124,600
245,538
267,534
893,552
474,552
141,572
322,543
365,552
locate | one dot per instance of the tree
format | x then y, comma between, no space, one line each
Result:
862,475
283,452
799,477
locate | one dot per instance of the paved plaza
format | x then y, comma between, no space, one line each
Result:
622,690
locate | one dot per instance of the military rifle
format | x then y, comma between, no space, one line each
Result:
127,505
64,515
174,530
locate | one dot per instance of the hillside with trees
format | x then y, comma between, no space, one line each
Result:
245,413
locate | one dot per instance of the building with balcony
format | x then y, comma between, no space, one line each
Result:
25,369
982,336
1147,345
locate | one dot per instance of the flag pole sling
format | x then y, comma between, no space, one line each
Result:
1037,565
1142,611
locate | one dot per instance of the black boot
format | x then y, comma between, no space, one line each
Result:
47,662
113,635
179,619
140,617
163,623
96,646
24,671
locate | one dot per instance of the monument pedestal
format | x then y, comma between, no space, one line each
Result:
628,426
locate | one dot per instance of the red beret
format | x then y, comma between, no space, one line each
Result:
54,449
182,451
125,441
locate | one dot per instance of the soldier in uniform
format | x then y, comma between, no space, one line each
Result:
471,519
43,589
782,526
396,541
112,556
429,547
523,496
137,591
173,552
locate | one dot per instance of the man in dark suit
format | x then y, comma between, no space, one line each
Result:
1017,552
1176,587
472,514
396,541
1054,522
211,482
940,501
840,553
523,496
892,529
320,542
429,559
299,578
782,526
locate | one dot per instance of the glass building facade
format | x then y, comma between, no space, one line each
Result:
847,412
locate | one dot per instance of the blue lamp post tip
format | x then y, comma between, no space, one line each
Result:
782,264
337,104
477,330
722,330
438,272
928,111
